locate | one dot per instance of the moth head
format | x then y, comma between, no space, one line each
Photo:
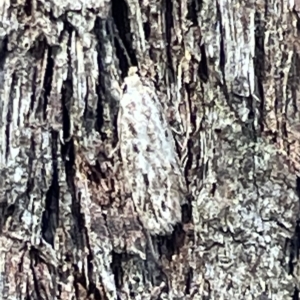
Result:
132,71
132,80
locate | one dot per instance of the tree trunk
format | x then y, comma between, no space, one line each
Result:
227,74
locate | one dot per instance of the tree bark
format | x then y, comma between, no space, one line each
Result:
227,74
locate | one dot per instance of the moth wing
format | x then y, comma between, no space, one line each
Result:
150,161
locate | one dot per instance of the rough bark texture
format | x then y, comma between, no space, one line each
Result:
227,73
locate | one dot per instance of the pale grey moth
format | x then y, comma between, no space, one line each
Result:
150,162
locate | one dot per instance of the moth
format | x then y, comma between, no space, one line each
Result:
150,162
